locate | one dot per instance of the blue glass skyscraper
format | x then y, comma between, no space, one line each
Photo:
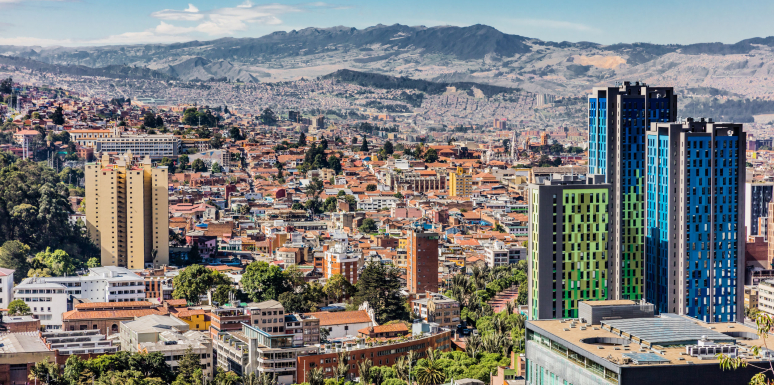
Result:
618,118
695,238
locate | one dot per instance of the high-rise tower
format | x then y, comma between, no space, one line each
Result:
422,261
618,118
695,236
568,245
127,211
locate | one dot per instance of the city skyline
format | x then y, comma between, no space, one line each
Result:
83,23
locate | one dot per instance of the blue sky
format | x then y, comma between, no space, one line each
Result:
103,22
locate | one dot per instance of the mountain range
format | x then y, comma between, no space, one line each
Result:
477,53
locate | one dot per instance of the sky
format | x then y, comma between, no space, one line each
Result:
111,22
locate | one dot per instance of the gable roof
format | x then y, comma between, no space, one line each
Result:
342,317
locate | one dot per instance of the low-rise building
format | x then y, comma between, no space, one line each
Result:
174,344
107,316
148,329
344,323
19,352
86,342
615,342
437,308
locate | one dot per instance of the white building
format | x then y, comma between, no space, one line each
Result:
155,146
499,254
103,284
47,300
6,287
377,203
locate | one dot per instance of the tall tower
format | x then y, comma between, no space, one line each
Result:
695,238
618,118
568,245
460,183
422,261
127,211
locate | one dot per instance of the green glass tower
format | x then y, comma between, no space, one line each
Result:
569,242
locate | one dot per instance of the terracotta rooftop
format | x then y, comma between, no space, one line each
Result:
340,318
396,327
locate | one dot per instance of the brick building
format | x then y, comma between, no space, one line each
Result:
422,249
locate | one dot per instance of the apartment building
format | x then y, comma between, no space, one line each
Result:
618,118
153,146
460,183
422,261
341,259
88,138
695,238
568,245
132,201
439,309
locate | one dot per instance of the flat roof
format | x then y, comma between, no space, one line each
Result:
612,302
666,330
582,341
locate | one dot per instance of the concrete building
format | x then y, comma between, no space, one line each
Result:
618,118
88,342
341,259
751,297
757,196
499,254
87,138
174,344
153,146
377,202
569,243
628,346
132,200
694,238
147,329
252,350
766,296
19,352
47,301
422,261
438,308
6,287
460,183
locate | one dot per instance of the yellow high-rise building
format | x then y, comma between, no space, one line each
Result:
460,183
127,211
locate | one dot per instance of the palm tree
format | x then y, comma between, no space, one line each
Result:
316,377
429,371
473,346
250,379
401,368
342,368
364,370
497,324
266,379
509,307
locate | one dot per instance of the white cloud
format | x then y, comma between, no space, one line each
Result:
184,15
229,20
191,8
246,4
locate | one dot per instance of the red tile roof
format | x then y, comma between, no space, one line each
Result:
341,318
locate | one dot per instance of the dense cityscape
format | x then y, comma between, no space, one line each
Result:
357,227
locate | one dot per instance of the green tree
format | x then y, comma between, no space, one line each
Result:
429,370
18,307
499,228
58,116
364,145
6,86
169,164
13,255
189,370
235,133
149,120
198,165
182,161
370,187
431,155
268,117
262,281
222,294
302,140
380,285
195,281
216,168
337,286
93,262
159,121
297,206
335,164
388,149
368,226
194,257
46,372
52,263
